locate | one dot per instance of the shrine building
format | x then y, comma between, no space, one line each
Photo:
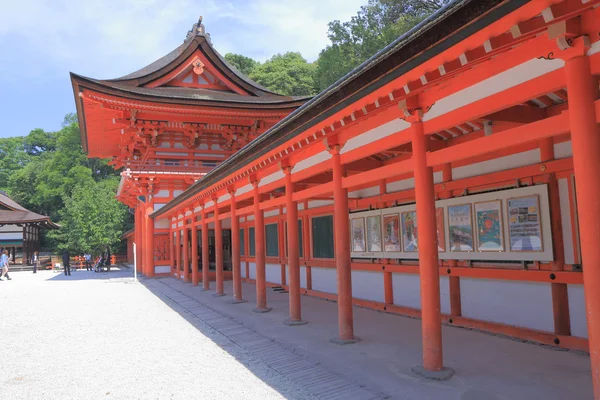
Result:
452,177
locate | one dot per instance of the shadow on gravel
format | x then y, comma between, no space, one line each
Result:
278,382
79,275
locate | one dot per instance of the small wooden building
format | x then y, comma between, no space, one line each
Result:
20,229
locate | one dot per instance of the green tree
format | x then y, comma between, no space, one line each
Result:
13,158
289,74
245,65
375,26
92,218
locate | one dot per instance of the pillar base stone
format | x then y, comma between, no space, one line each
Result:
442,375
342,342
218,294
234,301
261,310
290,322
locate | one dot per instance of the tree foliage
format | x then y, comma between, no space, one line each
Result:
44,170
289,74
244,64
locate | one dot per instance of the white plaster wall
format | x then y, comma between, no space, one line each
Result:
368,192
162,269
565,216
407,291
577,311
310,161
158,206
162,223
12,236
302,277
243,270
445,294
180,223
524,304
324,279
177,192
273,273
179,146
438,177
271,178
399,186
271,213
226,223
165,145
498,164
497,83
243,189
375,134
563,150
319,203
368,285
252,270
162,193
223,198
250,217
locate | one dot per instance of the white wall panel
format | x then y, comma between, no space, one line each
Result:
565,217
368,285
302,277
319,203
252,270
407,291
310,161
243,189
324,279
524,304
398,186
273,273
162,193
375,134
223,198
226,223
162,269
271,178
563,150
271,213
11,236
577,311
162,223
158,206
368,192
497,164
177,192
243,270
445,294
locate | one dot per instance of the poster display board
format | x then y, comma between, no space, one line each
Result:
511,224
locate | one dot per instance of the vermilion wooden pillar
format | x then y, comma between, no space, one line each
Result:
195,277
205,259
139,221
149,234
259,238
585,137
431,321
218,252
342,252
292,246
235,253
560,296
186,253
178,249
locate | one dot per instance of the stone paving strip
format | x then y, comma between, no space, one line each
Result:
308,374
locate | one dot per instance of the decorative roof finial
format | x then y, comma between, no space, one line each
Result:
197,30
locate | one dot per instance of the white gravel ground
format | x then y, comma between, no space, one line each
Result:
91,337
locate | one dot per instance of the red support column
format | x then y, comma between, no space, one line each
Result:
560,296
186,253
149,234
171,248
341,231
235,253
139,221
178,249
431,319
195,277
259,238
218,252
582,87
205,259
293,252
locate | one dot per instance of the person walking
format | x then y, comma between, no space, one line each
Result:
4,260
88,261
36,261
67,262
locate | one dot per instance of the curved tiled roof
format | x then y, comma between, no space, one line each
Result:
17,214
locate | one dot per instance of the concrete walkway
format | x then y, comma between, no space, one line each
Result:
487,366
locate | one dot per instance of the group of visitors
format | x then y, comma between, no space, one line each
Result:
101,262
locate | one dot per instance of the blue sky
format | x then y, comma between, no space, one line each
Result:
41,41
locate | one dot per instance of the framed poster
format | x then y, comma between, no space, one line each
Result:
374,233
489,226
441,232
409,231
358,235
460,227
391,232
524,225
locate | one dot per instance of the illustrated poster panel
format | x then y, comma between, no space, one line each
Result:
439,220
391,229
409,231
358,235
460,227
524,226
374,233
489,226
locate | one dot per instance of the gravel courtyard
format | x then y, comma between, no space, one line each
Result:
100,336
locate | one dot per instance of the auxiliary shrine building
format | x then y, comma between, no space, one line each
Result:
437,179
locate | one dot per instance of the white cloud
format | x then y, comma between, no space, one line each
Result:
110,38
